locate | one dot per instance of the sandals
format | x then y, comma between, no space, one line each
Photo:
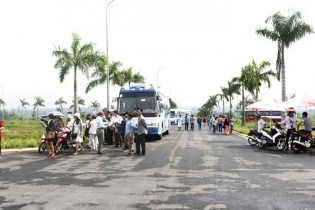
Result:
52,156
128,154
75,153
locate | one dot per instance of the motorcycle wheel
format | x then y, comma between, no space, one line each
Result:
58,147
252,141
41,147
260,144
281,144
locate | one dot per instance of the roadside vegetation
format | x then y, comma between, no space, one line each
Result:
21,134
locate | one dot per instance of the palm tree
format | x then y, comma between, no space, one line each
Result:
22,106
222,97
256,76
286,30
80,101
59,103
95,105
39,102
81,57
246,84
129,76
100,74
232,88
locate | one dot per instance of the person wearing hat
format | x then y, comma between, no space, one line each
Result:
289,121
77,132
100,131
260,125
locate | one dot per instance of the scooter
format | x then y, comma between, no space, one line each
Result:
63,140
252,137
275,137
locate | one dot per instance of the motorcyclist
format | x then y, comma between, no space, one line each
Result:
289,121
307,123
260,125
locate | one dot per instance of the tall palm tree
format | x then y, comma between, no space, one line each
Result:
80,101
222,96
39,102
246,84
23,105
80,58
59,103
232,88
100,74
95,105
286,30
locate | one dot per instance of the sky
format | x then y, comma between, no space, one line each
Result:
191,48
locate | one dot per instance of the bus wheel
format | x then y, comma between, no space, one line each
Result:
166,132
159,137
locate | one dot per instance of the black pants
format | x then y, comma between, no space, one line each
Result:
220,127
289,132
140,139
192,125
109,136
186,126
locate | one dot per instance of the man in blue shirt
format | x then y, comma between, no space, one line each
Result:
129,133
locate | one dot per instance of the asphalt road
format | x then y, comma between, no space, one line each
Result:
184,170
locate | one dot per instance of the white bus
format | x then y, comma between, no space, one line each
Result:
156,107
176,112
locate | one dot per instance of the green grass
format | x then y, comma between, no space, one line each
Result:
21,134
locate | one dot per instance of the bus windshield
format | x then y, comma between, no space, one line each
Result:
129,101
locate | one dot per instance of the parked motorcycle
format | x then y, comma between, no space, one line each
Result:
252,137
301,141
63,140
275,137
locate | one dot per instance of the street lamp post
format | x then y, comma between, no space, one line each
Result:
157,77
107,75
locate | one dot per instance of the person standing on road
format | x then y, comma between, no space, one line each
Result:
307,123
93,141
50,127
77,133
141,133
100,132
122,131
186,122
215,124
199,121
1,128
108,132
231,123
129,133
220,121
115,123
289,121
226,124
192,122
179,122
86,131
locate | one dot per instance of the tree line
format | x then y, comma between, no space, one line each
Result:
285,30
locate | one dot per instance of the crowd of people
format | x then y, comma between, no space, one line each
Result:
291,125
108,128
220,124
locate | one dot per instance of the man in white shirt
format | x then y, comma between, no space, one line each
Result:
261,125
289,121
115,123
100,132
